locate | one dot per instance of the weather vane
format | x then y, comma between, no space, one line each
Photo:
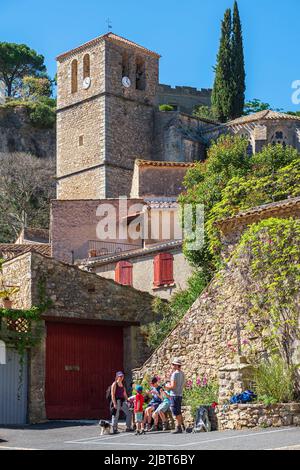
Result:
109,25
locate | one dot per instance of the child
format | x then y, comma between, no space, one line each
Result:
138,410
161,411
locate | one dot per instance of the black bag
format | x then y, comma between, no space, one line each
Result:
202,422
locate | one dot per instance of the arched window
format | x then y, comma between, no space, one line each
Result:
163,270
140,74
74,77
86,66
279,138
123,273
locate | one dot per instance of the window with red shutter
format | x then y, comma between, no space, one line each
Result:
163,270
123,273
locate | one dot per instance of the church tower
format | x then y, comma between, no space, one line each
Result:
106,100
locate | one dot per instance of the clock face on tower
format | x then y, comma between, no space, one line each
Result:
86,83
126,82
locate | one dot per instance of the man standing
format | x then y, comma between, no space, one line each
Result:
176,389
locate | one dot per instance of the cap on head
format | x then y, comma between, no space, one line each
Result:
176,362
120,374
139,388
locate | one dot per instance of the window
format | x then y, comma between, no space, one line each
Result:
279,138
81,141
140,74
123,273
86,66
163,270
74,77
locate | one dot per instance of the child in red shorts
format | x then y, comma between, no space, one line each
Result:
138,411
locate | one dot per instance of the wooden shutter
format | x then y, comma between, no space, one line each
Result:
163,269
123,273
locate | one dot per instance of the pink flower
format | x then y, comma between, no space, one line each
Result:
189,384
246,341
204,382
199,381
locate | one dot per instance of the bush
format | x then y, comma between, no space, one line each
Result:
200,393
274,381
43,116
166,107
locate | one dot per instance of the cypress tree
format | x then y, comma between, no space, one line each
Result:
238,65
222,95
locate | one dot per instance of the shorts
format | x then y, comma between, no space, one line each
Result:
176,403
164,407
139,417
154,405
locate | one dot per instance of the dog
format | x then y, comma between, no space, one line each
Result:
105,427
202,421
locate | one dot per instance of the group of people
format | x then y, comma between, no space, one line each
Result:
145,407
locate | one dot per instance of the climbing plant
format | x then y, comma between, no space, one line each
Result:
21,328
273,248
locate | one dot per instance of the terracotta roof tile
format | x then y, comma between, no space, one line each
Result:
164,164
108,37
267,115
10,250
272,207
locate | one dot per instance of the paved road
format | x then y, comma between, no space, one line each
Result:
63,435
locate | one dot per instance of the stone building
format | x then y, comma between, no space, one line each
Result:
183,98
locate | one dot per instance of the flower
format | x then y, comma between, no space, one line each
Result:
199,381
204,382
245,342
189,384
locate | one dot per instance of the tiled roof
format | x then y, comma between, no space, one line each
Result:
10,250
272,207
163,164
110,37
166,246
162,203
267,115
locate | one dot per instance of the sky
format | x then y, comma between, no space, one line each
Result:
186,34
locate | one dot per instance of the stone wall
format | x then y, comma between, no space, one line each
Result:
183,97
258,415
17,134
177,137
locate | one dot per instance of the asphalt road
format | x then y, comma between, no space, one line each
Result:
80,436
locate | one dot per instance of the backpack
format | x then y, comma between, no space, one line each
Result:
246,397
202,422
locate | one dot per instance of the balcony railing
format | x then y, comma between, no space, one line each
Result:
98,248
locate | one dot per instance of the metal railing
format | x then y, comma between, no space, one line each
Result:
98,248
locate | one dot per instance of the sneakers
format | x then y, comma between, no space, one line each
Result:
178,430
148,427
140,433
164,427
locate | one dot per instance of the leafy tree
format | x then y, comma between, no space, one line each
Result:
26,187
204,112
238,65
222,95
166,107
254,106
16,62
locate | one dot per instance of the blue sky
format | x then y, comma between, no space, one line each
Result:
186,33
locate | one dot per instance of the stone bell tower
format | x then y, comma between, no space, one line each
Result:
106,98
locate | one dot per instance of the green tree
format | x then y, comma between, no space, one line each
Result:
34,88
16,62
254,106
238,65
204,112
222,95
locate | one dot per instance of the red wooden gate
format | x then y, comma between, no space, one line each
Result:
81,361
